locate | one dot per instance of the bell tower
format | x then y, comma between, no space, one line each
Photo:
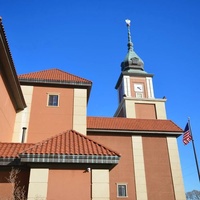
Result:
135,88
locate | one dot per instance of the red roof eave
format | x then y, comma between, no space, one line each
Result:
118,124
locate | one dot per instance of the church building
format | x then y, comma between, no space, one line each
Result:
62,153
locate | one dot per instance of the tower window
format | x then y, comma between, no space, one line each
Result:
53,100
139,95
122,190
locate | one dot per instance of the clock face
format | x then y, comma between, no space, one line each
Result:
138,87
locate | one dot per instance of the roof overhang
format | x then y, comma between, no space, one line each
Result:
135,132
61,159
9,74
9,161
78,159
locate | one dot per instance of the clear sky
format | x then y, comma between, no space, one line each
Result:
89,39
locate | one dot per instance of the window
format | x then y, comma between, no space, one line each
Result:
139,95
122,190
53,99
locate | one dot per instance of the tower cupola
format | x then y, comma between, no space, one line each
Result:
135,88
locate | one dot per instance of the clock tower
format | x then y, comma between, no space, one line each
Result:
135,88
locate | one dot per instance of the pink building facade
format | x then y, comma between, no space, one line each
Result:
64,154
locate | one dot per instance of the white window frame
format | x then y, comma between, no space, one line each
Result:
139,95
48,98
126,188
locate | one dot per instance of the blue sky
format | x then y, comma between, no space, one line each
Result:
89,39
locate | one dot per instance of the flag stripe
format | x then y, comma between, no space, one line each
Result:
187,135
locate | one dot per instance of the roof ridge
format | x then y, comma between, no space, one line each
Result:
42,142
44,70
52,74
96,142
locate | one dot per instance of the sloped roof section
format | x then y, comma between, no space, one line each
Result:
12,150
52,76
70,143
9,152
129,124
67,147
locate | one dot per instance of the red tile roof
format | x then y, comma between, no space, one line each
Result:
129,124
70,143
52,75
66,143
12,150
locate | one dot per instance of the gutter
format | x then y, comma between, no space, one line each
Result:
134,132
57,158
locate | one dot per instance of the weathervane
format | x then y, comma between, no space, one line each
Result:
130,44
128,22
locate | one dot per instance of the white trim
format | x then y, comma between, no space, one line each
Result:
38,184
139,169
22,117
51,94
176,168
100,184
80,110
127,88
150,90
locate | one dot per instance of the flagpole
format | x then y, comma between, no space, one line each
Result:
195,155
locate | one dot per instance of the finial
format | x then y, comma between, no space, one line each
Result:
128,22
130,44
132,61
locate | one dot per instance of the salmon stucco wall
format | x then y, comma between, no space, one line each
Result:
6,187
145,111
69,184
137,80
47,121
157,168
7,114
124,171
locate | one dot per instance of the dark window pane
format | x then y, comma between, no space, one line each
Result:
122,190
53,100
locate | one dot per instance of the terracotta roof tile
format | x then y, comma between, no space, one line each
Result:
52,75
117,123
70,143
11,150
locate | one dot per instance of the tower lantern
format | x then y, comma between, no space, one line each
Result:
135,88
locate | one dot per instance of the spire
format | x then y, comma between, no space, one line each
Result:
132,62
130,44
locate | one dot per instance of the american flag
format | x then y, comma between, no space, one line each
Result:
187,137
